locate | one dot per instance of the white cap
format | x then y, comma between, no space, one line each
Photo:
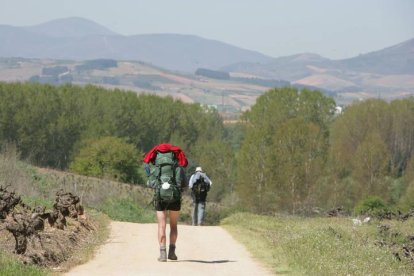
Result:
199,169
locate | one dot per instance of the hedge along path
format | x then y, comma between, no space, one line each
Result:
132,249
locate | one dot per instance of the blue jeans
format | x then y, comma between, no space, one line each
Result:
198,212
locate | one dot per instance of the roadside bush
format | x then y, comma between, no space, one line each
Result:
372,206
108,157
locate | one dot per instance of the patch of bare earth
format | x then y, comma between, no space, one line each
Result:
325,81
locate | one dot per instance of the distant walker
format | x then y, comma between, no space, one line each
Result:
200,185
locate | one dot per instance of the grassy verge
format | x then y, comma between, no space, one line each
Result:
320,246
125,209
88,249
9,266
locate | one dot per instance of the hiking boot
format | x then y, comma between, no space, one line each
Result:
163,254
171,253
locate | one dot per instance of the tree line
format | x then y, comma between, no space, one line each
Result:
53,126
298,154
290,152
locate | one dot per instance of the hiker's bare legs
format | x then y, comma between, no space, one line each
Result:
173,226
162,221
173,234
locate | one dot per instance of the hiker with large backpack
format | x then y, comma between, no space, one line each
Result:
164,168
200,185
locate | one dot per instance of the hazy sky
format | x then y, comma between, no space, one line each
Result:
332,28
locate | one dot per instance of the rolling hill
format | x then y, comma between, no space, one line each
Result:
396,60
78,38
228,96
166,63
388,72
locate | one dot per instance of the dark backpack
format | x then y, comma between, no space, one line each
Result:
163,177
200,189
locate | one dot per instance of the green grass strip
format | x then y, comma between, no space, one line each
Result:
11,267
317,246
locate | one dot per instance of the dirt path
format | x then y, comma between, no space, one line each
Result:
132,249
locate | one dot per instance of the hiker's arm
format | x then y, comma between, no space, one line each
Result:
147,169
191,182
209,181
184,180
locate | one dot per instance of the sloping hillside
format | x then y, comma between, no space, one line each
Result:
388,72
231,95
289,68
78,38
394,60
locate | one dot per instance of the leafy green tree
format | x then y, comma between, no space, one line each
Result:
351,129
301,151
270,164
371,143
234,134
47,122
254,172
108,157
402,135
371,165
216,158
35,124
406,201
11,102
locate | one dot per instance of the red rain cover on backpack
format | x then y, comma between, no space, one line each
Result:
179,154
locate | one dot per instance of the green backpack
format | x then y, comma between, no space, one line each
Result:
164,175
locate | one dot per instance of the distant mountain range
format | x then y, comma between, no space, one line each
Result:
389,72
398,59
80,39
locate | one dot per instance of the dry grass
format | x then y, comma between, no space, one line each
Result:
91,190
89,245
14,174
